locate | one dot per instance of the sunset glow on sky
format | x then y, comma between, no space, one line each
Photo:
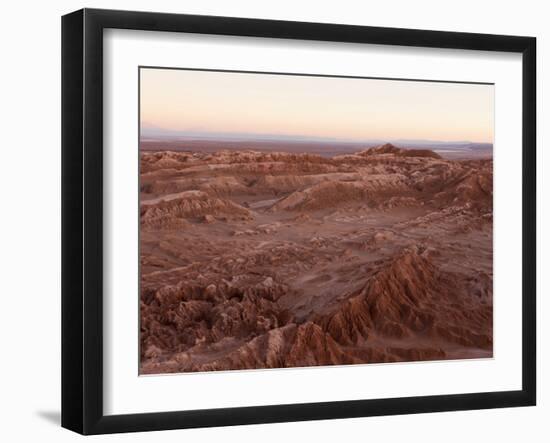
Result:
220,102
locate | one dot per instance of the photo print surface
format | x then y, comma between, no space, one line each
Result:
300,220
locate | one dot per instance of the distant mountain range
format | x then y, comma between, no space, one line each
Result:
150,133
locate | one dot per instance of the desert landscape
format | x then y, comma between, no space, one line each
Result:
271,259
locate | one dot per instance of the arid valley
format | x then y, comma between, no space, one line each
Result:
254,259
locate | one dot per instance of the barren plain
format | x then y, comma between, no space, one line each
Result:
254,259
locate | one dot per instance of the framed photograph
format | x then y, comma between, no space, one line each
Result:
269,221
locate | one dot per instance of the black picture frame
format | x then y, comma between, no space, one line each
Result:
82,218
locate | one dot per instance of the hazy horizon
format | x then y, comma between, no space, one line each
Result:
194,103
152,134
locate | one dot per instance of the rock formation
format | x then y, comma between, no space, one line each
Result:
270,259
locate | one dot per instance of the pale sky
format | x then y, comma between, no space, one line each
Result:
201,101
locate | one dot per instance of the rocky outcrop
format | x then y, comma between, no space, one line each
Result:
290,346
392,303
324,195
168,212
388,148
